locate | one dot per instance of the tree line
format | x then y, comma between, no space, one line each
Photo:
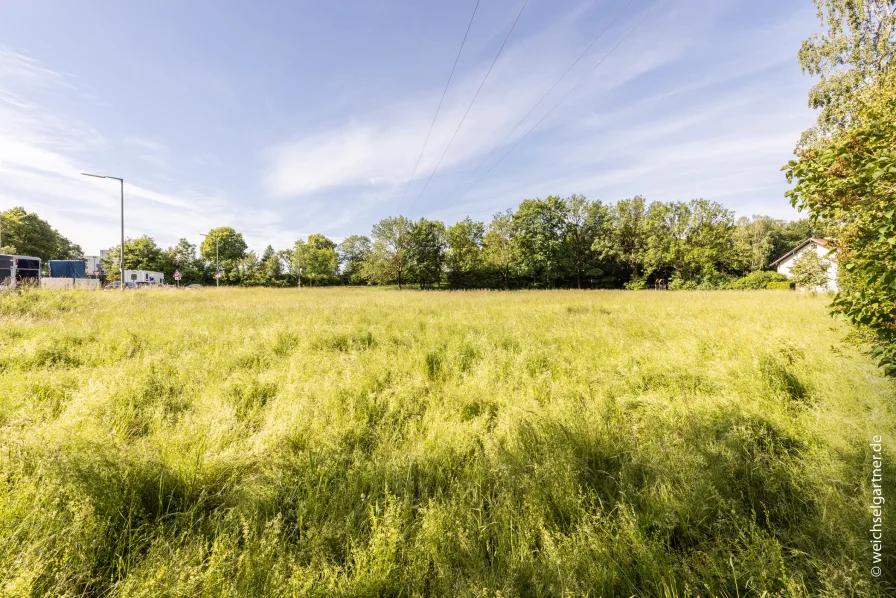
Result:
553,242
545,243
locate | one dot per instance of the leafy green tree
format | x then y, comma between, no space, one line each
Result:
182,257
318,259
710,237
626,240
810,270
691,240
255,270
465,253
667,226
244,271
25,233
426,252
231,248
352,252
855,47
849,183
538,231
141,253
753,242
272,267
586,222
230,245
387,261
288,266
499,251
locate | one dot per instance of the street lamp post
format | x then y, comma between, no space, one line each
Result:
121,257
217,267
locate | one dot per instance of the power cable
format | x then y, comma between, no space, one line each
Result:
460,124
556,83
581,81
442,99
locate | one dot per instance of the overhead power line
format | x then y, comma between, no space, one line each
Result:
566,95
556,83
460,124
442,99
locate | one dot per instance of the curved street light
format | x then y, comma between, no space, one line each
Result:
121,262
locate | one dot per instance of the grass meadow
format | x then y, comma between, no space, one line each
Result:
354,442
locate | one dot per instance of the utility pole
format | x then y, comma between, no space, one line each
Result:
121,257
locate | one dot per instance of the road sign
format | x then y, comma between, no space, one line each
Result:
177,275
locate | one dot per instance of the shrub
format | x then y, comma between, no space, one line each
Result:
636,284
780,286
715,281
708,282
677,284
757,280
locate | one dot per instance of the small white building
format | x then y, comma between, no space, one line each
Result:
820,246
144,276
93,265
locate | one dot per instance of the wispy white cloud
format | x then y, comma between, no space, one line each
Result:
145,143
676,112
379,149
722,133
42,155
689,105
16,66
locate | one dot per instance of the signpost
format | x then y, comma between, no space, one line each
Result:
177,277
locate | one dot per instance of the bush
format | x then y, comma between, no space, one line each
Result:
679,284
636,284
715,281
707,282
757,280
780,286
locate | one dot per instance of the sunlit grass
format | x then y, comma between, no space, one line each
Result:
376,443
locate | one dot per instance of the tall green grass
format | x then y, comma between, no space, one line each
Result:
333,442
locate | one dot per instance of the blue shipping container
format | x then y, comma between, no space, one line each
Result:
67,269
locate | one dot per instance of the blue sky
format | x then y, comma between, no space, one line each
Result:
283,119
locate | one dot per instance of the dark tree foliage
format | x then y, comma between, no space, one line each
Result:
426,253
24,233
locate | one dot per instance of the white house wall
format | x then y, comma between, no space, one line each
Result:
784,267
